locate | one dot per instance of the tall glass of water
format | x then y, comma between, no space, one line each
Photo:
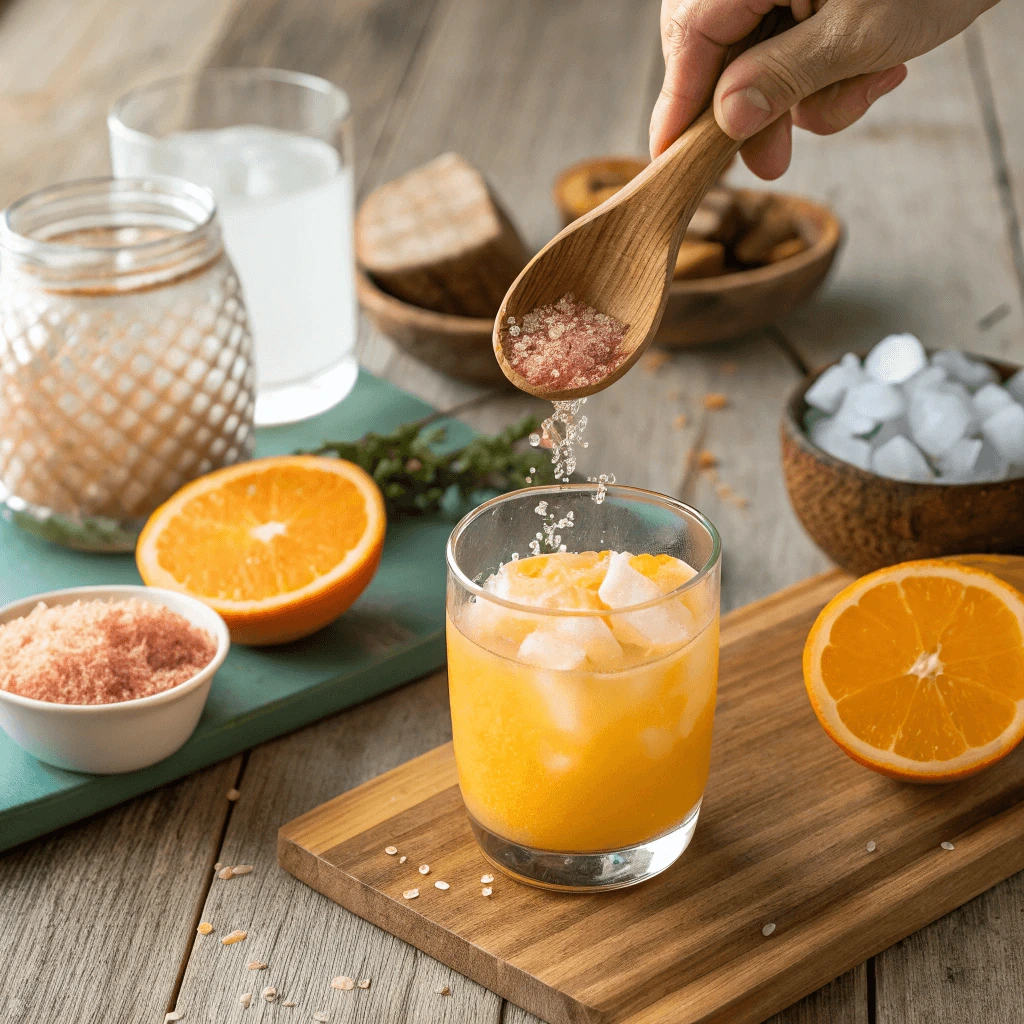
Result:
275,147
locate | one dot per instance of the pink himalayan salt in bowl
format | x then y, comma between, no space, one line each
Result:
116,735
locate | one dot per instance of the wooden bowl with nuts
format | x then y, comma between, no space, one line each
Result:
864,521
748,257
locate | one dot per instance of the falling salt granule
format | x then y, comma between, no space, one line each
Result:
603,481
767,929
871,846
947,845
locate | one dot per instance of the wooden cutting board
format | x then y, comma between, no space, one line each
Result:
782,839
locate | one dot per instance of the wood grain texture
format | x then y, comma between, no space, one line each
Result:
967,966
782,839
926,250
96,919
56,86
305,939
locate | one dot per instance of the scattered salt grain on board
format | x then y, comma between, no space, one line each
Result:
173,1015
343,982
947,845
487,879
424,869
486,891
256,965
226,873
245,998
205,928
391,850
232,937
402,859
233,795
289,1002
321,1017
363,983
270,993
241,869
410,894
441,885
217,866
871,846
444,990
767,929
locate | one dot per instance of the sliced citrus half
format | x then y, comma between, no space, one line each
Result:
279,546
917,670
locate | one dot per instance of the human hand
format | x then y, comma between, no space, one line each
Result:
821,75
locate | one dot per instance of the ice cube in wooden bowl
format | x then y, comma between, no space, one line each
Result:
864,521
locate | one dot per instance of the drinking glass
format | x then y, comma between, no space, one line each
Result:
275,147
125,356
585,778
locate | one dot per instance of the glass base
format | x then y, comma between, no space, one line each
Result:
586,872
290,403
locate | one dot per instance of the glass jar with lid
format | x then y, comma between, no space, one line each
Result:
125,355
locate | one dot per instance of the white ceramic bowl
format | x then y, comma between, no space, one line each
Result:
108,738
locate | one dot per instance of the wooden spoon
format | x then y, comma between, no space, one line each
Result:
620,257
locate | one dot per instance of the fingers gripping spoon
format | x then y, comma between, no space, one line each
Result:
620,257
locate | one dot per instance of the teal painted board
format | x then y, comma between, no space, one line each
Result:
393,633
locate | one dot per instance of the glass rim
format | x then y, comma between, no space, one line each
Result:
314,83
614,490
154,185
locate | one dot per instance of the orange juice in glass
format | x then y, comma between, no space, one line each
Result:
582,680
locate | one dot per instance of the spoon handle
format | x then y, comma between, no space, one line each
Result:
696,160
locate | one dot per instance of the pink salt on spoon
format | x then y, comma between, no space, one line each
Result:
615,262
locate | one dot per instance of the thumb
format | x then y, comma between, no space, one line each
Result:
770,78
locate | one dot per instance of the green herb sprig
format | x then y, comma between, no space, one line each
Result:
415,479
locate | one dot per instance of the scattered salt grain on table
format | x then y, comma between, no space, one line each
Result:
905,416
100,652
768,929
946,845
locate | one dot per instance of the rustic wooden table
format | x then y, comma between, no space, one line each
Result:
98,922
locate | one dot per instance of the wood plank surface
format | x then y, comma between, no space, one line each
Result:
968,966
95,920
304,938
782,837
930,252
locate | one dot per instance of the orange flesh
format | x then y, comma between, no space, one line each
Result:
213,552
926,668
595,758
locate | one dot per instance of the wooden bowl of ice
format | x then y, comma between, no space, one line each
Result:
906,455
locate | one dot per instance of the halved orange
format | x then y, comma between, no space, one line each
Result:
917,670
279,546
